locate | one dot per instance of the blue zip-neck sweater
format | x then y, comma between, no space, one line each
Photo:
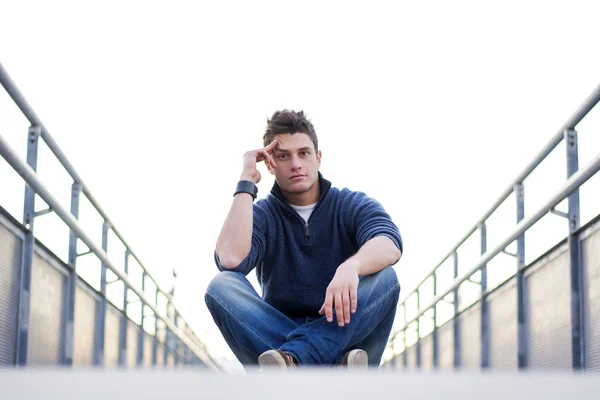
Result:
295,261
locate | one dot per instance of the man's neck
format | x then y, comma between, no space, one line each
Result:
307,198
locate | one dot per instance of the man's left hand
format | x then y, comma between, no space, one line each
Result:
341,294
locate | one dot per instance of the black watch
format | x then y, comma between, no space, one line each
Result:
246,187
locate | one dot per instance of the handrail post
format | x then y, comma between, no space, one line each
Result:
174,339
577,332
167,337
123,320
418,344
76,188
101,315
27,254
457,344
485,316
435,337
155,342
140,351
519,190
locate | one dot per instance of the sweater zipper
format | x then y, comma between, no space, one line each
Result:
306,229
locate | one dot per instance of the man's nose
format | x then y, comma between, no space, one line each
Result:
295,164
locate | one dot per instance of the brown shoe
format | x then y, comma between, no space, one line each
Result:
356,359
276,359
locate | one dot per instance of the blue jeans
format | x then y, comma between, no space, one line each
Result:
251,326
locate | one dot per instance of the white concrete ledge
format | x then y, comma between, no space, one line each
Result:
299,384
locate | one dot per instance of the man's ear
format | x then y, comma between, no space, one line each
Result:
319,159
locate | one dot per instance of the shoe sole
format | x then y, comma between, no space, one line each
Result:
358,359
271,359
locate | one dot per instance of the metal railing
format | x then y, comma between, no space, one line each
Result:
28,171
570,190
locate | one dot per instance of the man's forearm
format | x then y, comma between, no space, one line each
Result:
235,239
374,255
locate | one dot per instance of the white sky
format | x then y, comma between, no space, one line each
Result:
432,108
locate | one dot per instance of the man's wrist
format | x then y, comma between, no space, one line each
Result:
247,177
351,264
246,186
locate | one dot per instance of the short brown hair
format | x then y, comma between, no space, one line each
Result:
289,121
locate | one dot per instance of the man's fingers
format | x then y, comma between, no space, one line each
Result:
262,155
322,310
271,145
353,298
269,150
346,304
339,309
328,306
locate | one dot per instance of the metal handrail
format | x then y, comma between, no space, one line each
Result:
576,117
18,98
30,177
16,95
571,185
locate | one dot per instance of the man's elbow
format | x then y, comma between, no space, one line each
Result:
391,250
396,254
228,261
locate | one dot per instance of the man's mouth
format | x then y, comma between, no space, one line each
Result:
294,177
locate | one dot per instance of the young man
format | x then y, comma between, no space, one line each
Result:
323,259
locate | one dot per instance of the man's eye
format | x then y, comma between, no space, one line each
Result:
282,156
304,153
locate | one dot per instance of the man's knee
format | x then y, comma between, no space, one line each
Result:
387,277
221,285
384,281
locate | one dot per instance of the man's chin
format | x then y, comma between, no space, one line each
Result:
296,189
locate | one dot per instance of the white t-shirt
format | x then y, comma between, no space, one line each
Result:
304,211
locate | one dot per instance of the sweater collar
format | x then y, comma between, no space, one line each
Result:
324,186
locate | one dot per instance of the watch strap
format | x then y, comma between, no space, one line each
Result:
246,187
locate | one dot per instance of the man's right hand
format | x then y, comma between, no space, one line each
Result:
253,157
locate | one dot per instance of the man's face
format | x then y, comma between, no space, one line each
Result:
297,163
